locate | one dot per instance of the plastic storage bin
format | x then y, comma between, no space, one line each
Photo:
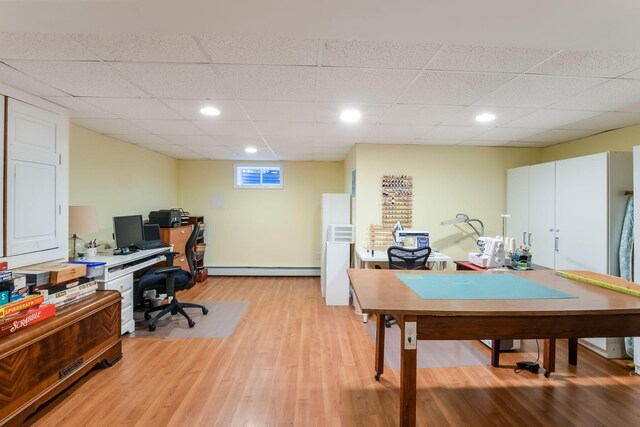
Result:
94,268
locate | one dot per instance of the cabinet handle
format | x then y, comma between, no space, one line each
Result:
557,244
529,239
183,231
524,237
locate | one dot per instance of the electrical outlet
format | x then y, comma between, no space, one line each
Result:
410,336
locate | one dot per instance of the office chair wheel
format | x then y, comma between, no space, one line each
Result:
151,327
147,316
377,376
387,323
192,323
205,310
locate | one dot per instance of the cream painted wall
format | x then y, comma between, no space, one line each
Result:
118,178
261,228
616,140
447,181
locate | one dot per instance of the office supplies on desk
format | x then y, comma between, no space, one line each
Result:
602,280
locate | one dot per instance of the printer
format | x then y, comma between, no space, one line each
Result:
166,218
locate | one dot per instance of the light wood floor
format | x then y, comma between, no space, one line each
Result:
292,361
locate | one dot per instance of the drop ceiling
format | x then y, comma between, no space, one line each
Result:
139,71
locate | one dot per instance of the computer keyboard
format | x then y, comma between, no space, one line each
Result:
151,245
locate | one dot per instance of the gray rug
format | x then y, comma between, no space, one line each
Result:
220,322
431,354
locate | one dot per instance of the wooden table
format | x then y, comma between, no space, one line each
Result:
596,312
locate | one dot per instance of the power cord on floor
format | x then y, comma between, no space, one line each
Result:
533,367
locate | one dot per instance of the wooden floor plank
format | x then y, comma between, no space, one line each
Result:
292,361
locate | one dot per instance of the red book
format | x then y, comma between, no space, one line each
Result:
25,318
19,305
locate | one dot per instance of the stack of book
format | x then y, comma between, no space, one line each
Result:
65,283
26,311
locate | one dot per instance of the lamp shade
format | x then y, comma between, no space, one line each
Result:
83,219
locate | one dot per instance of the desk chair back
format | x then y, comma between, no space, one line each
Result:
408,259
190,252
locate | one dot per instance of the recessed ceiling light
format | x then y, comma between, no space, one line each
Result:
485,117
251,150
350,116
210,111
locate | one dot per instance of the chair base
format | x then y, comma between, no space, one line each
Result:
173,307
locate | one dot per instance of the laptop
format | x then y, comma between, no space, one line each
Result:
152,240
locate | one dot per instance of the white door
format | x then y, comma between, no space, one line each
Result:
581,213
518,204
2,101
34,182
541,236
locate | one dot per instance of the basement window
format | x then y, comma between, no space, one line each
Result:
258,176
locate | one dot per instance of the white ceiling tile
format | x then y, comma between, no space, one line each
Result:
488,59
452,88
454,132
42,46
293,157
168,127
253,50
343,130
286,129
399,131
529,91
142,47
280,111
291,141
79,108
505,134
336,142
612,95
179,81
167,148
143,140
192,140
212,149
292,149
134,108
606,121
420,114
111,126
467,116
329,112
79,78
238,142
559,135
269,82
632,75
362,86
190,108
331,151
549,119
376,54
19,80
242,128
588,64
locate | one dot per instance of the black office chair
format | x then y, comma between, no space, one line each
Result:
401,258
170,279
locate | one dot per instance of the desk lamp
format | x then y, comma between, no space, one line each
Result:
82,219
464,218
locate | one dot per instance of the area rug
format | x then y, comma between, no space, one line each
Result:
431,354
220,322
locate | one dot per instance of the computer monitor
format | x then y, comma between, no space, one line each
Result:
127,232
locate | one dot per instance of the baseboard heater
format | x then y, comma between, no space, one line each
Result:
263,271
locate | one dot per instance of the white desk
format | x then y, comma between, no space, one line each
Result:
364,257
118,276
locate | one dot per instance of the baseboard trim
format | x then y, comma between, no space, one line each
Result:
263,271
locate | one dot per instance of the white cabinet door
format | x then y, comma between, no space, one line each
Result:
582,213
34,181
518,204
541,235
2,101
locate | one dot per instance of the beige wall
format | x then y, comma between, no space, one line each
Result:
615,140
118,178
447,181
259,228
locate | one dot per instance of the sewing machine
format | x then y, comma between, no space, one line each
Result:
492,254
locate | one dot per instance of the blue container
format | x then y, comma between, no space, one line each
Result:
94,268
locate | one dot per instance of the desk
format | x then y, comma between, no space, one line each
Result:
363,259
596,312
118,276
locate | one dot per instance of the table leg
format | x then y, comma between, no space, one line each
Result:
549,357
408,359
573,351
379,346
495,353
